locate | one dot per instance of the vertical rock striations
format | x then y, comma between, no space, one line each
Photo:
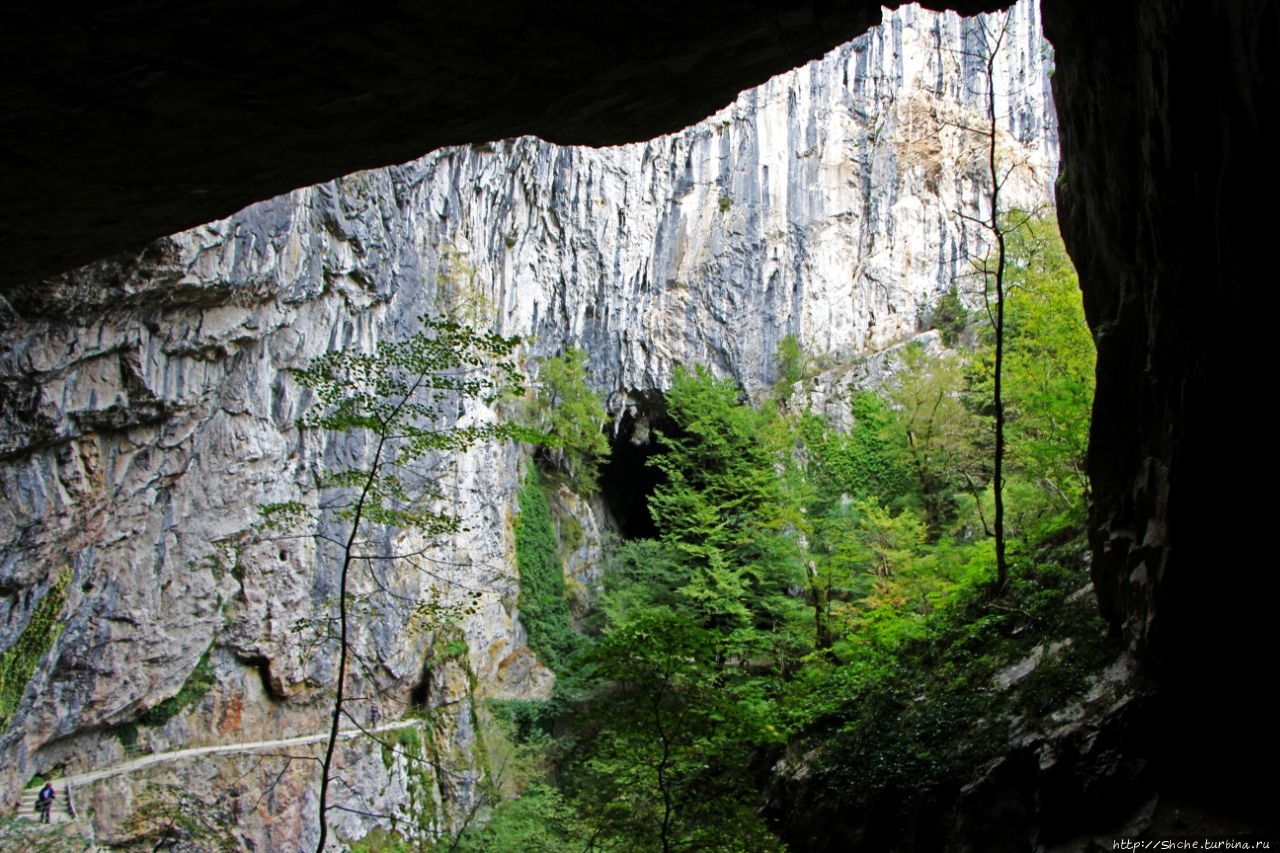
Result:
139,439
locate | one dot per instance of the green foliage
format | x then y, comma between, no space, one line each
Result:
192,691
521,810
539,820
405,398
668,703
644,574
452,650
662,761
457,288
571,418
379,840
1050,376
402,407
127,734
1048,379
923,710
726,202
544,603
789,366
722,505
944,437
527,720
950,317
829,590
19,661
873,460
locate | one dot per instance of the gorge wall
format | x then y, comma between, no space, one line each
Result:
1163,107
149,408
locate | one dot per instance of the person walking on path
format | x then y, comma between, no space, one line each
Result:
44,802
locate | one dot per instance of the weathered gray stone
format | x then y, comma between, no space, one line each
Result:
148,429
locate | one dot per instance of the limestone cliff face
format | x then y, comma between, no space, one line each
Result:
826,203
139,439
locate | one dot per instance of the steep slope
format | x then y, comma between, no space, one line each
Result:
140,438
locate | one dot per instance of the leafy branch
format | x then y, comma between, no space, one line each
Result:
411,402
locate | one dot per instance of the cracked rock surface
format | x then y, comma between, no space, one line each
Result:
150,409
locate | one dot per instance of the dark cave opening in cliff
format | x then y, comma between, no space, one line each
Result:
627,479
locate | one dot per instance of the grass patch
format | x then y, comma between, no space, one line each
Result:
18,663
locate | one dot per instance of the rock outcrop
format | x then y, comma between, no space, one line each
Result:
1163,105
150,409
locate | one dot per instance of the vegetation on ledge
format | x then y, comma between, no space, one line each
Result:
19,661
544,603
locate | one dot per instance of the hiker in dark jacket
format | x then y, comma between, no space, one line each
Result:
44,802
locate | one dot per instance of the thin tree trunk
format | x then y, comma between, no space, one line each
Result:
823,639
997,480
347,559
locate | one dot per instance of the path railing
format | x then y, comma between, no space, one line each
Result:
148,759
69,781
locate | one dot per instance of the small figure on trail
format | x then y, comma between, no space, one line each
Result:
44,802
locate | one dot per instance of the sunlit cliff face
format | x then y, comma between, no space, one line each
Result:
155,410
1161,104
117,136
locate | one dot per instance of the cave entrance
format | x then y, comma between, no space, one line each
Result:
627,479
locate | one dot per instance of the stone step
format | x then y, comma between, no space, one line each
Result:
57,813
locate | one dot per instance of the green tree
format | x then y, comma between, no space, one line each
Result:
1050,374
994,292
872,459
400,407
838,467
641,575
539,820
789,367
942,435
722,505
836,570
951,317
993,267
571,417
662,762
673,696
